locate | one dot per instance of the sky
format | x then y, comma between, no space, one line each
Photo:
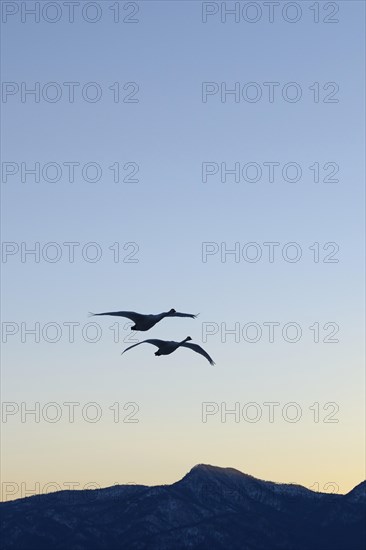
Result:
131,169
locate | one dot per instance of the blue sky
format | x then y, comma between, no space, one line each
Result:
169,213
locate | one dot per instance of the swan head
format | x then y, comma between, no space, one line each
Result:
187,339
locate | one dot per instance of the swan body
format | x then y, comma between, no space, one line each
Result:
166,347
145,322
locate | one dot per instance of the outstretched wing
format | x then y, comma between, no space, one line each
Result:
199,350
153,341
178,314
135,317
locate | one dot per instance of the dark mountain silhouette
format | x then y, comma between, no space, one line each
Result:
209,509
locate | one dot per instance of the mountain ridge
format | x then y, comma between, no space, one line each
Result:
209,508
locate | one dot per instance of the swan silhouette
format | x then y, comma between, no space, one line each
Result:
166,347
145,322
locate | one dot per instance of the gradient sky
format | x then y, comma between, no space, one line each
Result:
169,213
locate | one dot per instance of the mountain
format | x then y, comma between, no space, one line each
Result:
211,508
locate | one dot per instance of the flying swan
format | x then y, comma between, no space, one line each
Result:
145,322
166,347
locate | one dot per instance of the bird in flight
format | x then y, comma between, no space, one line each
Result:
145,322
166,347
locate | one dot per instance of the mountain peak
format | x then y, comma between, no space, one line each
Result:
209,469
